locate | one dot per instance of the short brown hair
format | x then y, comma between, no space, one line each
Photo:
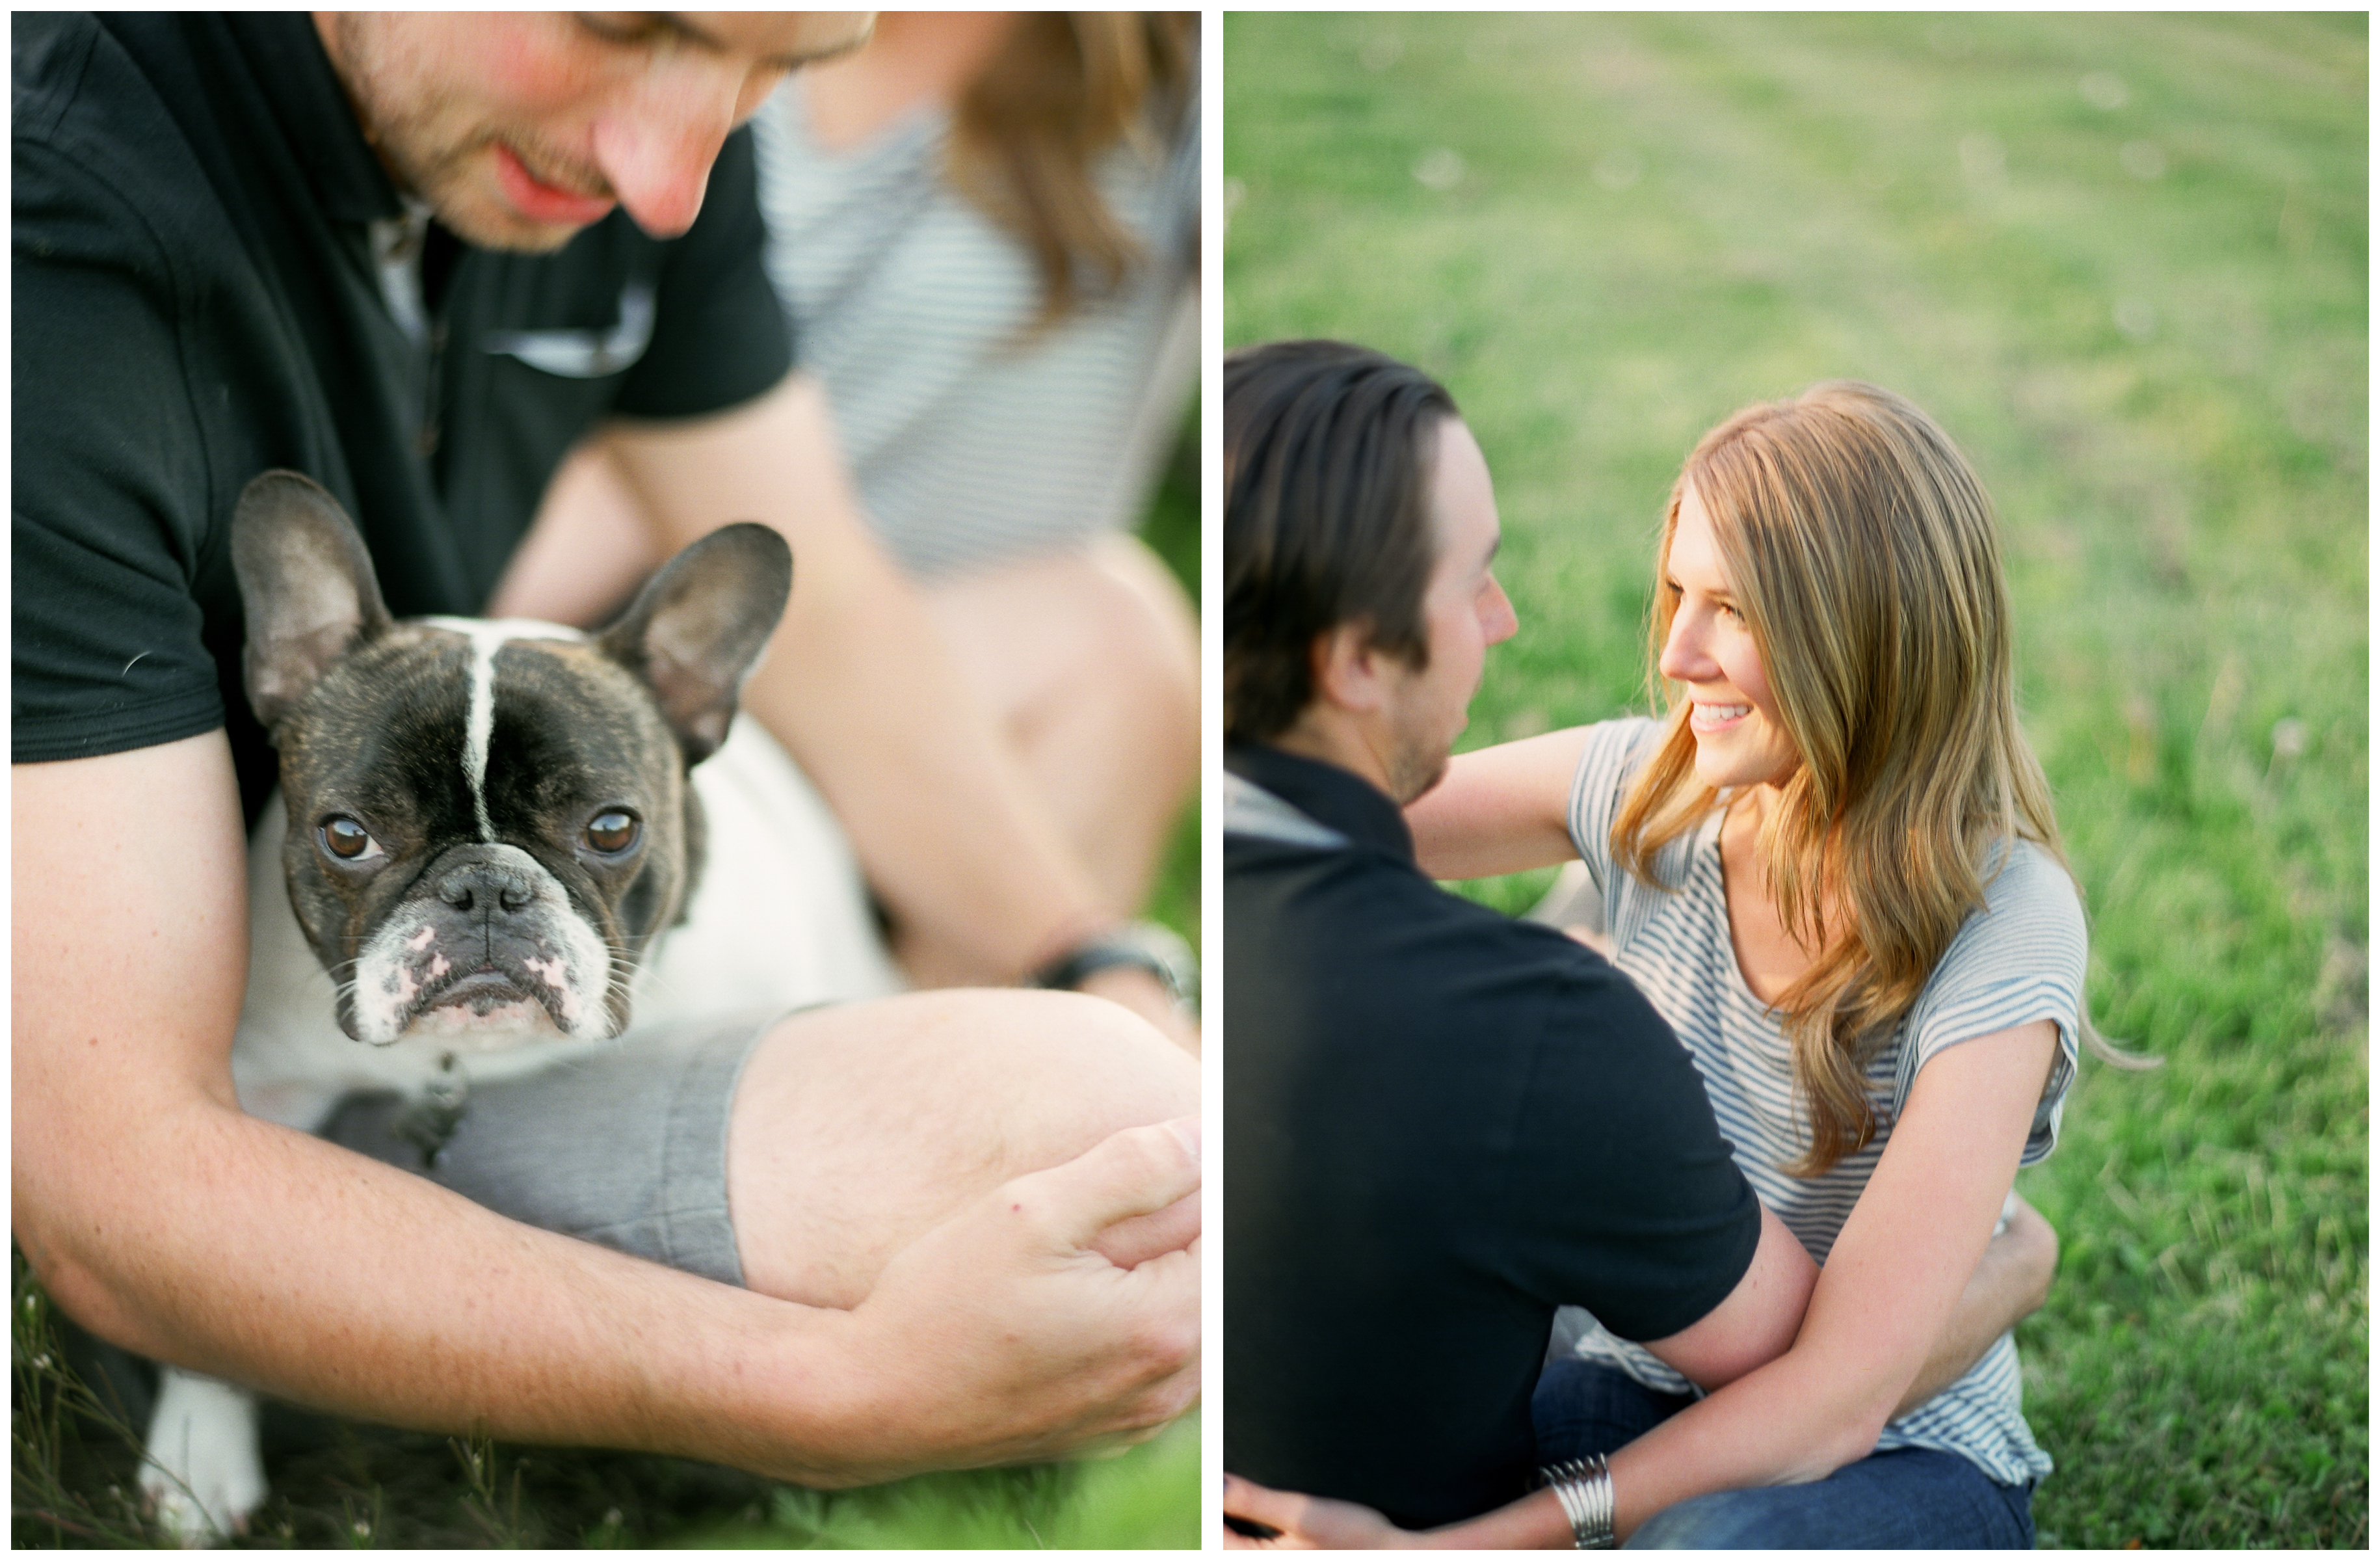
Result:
1326,465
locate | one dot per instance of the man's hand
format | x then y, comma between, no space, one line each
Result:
1028,1326
1305,1522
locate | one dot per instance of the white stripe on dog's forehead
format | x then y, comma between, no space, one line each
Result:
487,637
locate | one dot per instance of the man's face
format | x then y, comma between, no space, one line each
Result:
1463,612
521,128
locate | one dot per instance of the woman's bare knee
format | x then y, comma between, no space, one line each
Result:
857,1128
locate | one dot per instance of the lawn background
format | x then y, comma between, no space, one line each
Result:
2123,259
75,1444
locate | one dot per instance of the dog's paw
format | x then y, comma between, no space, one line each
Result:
201,1472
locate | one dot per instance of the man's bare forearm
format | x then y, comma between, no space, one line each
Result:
935,805
266,1257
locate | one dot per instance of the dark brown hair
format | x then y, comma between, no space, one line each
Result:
1326,465
1062,89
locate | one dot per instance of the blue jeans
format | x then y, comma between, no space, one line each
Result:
1909,1498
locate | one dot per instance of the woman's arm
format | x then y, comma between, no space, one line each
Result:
861,689
2010,1285
1889,1289
1500,809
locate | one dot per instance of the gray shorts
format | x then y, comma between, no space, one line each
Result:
627,1149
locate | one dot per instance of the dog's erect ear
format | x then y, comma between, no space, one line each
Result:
696,629
306,584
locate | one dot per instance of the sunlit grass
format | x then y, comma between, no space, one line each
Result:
2123,259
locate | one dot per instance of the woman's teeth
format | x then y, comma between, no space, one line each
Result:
1709,715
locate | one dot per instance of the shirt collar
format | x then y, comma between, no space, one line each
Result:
307,97
1326,794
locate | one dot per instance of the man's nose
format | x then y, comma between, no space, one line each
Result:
656,149
1502,621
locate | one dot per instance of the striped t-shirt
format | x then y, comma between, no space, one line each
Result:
973,440
2018,960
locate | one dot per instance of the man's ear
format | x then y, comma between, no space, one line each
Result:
1350,671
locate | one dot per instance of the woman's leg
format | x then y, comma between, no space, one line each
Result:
796,1155
1088,661
856,1129
1908,1498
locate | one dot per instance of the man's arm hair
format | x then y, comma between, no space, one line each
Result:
165,1220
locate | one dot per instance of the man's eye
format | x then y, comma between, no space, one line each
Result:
348,840
621,27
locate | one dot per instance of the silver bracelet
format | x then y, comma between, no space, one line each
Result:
1583,1488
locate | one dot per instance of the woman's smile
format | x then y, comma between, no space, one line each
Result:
1739,736
1710,718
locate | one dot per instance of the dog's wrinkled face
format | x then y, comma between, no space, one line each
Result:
489,823
487,826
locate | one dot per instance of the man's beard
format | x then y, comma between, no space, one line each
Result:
1413,768
434,161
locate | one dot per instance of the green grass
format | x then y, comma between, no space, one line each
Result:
338,1485
75,1437
2123,259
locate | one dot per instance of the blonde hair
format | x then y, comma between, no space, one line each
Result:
1028,132
1862,553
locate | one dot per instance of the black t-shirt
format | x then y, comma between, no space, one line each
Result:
197,297
1438,1124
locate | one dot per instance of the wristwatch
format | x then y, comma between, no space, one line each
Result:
1140,946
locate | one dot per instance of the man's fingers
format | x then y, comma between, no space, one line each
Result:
1129,1243
1254,1503
1136,1172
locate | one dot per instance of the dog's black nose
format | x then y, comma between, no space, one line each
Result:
482,884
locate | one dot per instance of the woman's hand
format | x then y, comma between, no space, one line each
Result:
1305,1522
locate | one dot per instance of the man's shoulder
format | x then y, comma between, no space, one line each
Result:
1306,913
48,52
73,84
102,167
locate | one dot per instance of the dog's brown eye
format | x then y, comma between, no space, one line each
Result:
348,840
612,831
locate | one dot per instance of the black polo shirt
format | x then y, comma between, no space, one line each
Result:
197,297
1438,1124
